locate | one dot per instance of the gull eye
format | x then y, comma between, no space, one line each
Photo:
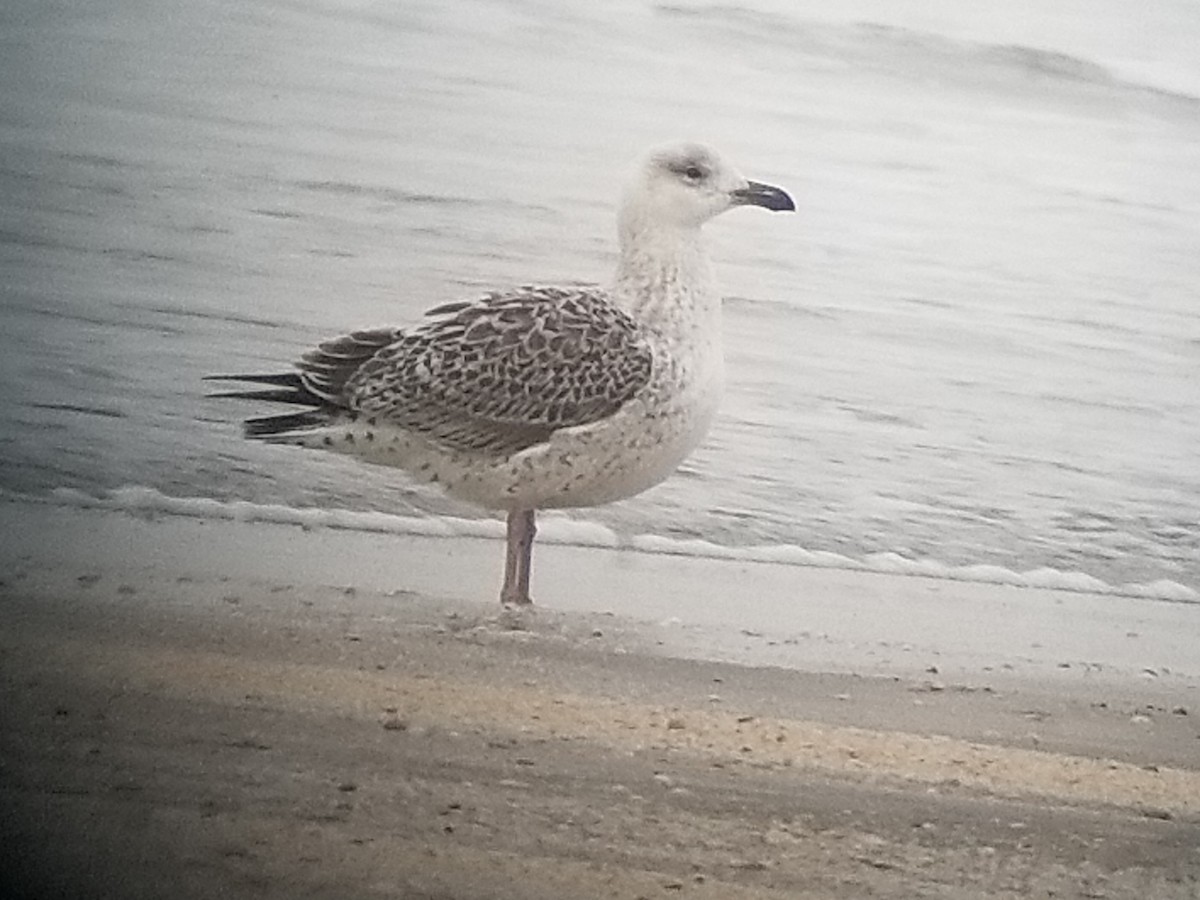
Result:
693,173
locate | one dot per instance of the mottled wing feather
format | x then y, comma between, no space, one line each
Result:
500,374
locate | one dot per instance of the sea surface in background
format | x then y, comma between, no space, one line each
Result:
974,351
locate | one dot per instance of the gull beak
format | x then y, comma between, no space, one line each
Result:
768,197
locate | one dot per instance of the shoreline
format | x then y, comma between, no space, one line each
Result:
749,612
257,710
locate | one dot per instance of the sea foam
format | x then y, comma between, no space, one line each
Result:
562,529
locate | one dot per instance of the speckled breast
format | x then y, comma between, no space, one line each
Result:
618,457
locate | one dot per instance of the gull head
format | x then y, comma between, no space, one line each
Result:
682,186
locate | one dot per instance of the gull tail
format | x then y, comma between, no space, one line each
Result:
287,387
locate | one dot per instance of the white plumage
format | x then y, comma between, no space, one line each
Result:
542,397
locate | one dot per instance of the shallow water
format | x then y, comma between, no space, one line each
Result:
976,344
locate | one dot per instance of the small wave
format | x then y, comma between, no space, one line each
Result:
402,197
276,213
774,306
102,411
381,193
563,530
214,315
98,161
1047,62
893,48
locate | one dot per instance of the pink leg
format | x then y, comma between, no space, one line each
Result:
518,557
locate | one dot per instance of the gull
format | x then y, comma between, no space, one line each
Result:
541,397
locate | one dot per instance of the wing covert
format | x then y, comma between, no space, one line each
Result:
500,374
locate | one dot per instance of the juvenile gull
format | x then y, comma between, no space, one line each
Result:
542,396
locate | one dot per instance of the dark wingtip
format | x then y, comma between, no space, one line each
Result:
266,427
284,379
279,395
284,387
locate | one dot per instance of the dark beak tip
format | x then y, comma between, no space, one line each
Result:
767,196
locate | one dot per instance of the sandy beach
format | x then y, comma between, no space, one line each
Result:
192,708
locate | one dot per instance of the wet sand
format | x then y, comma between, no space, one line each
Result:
177,725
